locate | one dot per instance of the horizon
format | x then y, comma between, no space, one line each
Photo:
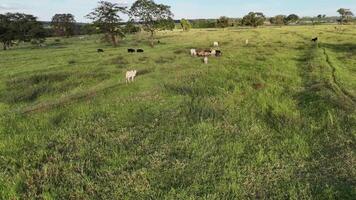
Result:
45,9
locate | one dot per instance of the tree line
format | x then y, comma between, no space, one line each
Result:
144,15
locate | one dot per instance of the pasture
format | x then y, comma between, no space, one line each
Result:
274,119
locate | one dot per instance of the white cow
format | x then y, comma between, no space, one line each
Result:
246,42
206,60
130,76
193,52
216,44
213,52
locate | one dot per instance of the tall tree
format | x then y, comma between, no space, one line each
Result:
20,27
254,19
345,14
185,24
150,14
106,17
292,18
223,22
279,20
63,24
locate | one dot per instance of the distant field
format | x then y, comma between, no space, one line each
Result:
275,119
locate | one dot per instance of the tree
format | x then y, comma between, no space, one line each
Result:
63,24
223,22
292,18
131,27
346,15
279,20
150,15
185,24
321,17
20,27
254,19
166,24
106,17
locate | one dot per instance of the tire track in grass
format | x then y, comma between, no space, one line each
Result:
335,81
87,94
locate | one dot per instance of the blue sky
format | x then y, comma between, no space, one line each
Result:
45,9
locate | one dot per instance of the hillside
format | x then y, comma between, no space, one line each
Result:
274,119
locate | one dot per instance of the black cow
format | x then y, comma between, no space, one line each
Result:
100,51
131,50
140,51
315,39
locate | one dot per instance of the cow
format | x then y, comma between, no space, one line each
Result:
131,50
216,44
193,52
246,42
100,50
213,52
140,51
218,53
203,53
315,39
130,76
206,60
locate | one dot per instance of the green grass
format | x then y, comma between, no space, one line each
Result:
272,120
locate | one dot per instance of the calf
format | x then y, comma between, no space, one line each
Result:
216,44
206,60
100,50
213,52
130,76
131,50
246,42
193,52
139,50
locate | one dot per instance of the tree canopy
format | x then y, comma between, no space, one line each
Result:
185,24
106,17
150,15
279,20
292,18
346,15
19,27
63,24
223,22
254,19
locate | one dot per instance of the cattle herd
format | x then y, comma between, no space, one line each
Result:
205,53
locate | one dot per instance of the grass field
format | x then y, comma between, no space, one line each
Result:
272,120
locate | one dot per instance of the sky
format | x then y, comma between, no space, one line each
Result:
190,9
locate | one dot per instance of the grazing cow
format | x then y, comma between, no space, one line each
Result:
193,52
100,51
315,39
206,60
131,50
140,51
216,44
218,53
203,53
130,76
213,52
246,42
